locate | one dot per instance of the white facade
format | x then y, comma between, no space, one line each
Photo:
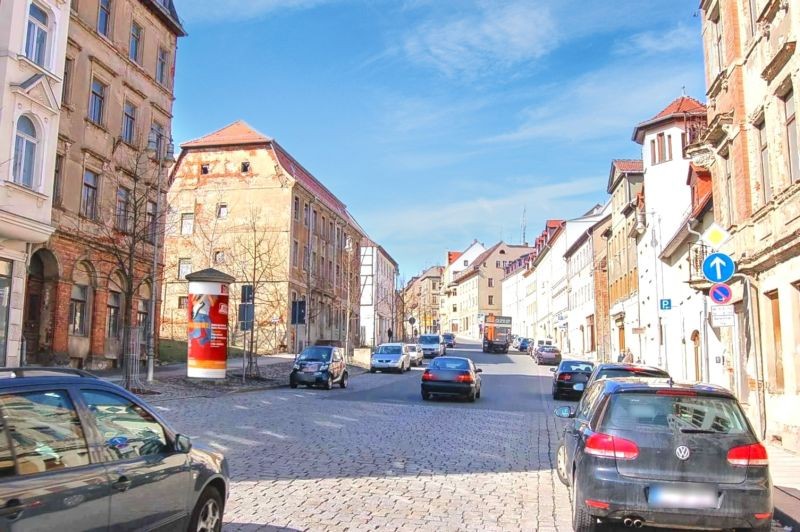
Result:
33,39
514,304
378,273
448,313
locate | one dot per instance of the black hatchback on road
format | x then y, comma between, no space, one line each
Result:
644,452
80,453
570,377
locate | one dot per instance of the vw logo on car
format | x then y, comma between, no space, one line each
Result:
683,452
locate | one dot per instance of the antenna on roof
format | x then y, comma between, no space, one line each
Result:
683,91
524,224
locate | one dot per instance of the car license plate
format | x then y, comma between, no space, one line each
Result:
308,369
683,496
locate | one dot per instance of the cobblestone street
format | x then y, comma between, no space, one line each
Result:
375,456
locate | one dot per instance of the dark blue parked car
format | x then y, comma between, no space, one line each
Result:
80,453
524,344
650,452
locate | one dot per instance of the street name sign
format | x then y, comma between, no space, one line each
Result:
718,267
715,236
720,294
722,316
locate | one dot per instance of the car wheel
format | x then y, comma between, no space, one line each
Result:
561,465
292,383
471,397
329,382
426,396
582,520
372,370
343,382
478,393
207,514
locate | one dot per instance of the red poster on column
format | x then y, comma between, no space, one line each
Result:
208,333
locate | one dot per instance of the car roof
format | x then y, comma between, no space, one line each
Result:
628,366
35,376
451,358
636,384
393,344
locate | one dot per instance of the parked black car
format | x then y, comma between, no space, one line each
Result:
453,376
319,366
570,377
80,453
650,452
621,370
449,339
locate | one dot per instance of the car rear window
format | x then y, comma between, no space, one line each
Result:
449,363
576,366
672,413
617,373
429,340
389,350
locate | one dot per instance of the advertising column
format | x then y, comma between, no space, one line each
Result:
207,355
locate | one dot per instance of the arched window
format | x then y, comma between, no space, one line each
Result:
36,40
25,152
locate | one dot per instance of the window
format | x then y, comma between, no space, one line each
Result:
135,48
143,319
466,263
45,431
295,252
669,147
184,268
36,40
112,314
183,302
128,122
296,208
150,220
775,361
766,185
66,82
135,431
729,202
718,52
791,137
97,102
162,66
497,264
157,133
491,282
653,152
187,223
77,310
204,169
104,17
25,152
314,221
245,167
305,214
89,194
58,176
122,210
661,148
753,20
219,257
491,300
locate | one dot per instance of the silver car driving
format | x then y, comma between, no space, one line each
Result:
390,357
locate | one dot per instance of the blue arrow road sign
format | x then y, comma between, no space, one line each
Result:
720,293
718,267
666,304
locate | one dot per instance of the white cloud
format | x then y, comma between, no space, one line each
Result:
489,37
681,38
217,10
605,103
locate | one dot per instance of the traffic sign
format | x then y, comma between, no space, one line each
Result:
412,320
665,304
718,267
720,293
715,236
722,316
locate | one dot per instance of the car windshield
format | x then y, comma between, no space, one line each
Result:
585,367
620,373
389,350
675,413
315,354
412,348
449,336
450,363
429,339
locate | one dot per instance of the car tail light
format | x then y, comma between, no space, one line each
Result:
682,393
607,446
591,503
428,376
466,378
765,515
748,455
565,377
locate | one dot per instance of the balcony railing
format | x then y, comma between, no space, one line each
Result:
697,254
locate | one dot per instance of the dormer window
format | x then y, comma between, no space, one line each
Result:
245,167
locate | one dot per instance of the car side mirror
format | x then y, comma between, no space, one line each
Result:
478,370
183,444
552,370
565,412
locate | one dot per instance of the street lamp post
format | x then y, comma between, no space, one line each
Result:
348,247
164,153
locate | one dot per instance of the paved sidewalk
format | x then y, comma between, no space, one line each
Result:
785,468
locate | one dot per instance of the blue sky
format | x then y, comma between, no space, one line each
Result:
438,121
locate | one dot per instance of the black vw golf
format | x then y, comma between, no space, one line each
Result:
647,452
569,378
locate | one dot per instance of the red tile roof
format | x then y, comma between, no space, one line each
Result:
452,256
236,134
628,165
683,104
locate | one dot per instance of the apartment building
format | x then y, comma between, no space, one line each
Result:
33,41
240,203
421,298
91,287
751,150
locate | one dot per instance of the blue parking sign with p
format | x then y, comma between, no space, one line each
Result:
665,304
